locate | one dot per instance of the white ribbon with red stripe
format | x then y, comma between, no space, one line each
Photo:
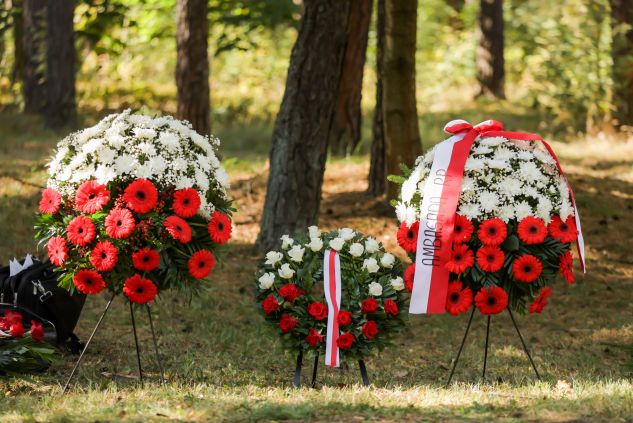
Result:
439,205
332,287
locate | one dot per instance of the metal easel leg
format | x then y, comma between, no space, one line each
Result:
315,368
138,351
297,379
81,356
363,373
525,348
459,353
158,360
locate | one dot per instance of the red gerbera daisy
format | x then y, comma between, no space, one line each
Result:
219,227
527,268
81,231
461,259
532,230
91,196
178,229
201,263
51,199
565,267
119,223
141,196
139,290
408,236
540,301
57,251
490,258
146,259
491,300
492,231
463,229
409,274
563,231
186,202
458,300
88,281
104,256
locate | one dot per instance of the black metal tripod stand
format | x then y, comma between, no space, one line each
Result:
138,351
297,378
461,347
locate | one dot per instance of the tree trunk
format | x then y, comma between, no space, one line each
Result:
18,39
304,122
377,173
489,61
346,129
192,67
34,50
61,108
400,118
622,53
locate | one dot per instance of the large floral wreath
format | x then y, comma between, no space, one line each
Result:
289,289
513,228
135,204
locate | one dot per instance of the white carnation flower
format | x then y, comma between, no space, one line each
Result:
356,249
371,265
375,289
266,281
285,271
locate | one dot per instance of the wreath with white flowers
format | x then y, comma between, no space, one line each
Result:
135,204
289,291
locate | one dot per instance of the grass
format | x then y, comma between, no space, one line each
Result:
223,362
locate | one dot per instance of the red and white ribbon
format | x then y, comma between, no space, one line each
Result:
332,287
439,205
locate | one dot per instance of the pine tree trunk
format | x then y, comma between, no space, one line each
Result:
61,108
489,61
377,175
400,118
622,53
346,130
303,124
18,39
192,68
34,51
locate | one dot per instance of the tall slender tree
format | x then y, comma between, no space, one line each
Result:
61,107
346,127
490,62
34,51
192,67
622,53
303,124
400,118
377,179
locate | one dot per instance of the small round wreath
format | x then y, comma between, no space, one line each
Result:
289,289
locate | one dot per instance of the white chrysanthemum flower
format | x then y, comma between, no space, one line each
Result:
145,171
371,245
106,156
356,249
506,212
473,164
144,132
179,164
409,186
468,184
266,281
529,171
92,146
104,174
522,209
544,209
222,177
492,141
169,141
497,164
397,283
296,253
470,210
375,289
489,201
147,148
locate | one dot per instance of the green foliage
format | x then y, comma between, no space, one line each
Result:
24,355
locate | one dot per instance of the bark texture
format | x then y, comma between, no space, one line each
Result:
377,180
490,61
622,52
61,107
346,130
192,67
400,118
34,52
303,124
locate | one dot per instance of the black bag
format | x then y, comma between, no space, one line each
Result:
35,289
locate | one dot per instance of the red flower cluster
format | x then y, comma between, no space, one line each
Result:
12,324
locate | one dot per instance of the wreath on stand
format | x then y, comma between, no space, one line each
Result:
513,228
135,205
289,289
